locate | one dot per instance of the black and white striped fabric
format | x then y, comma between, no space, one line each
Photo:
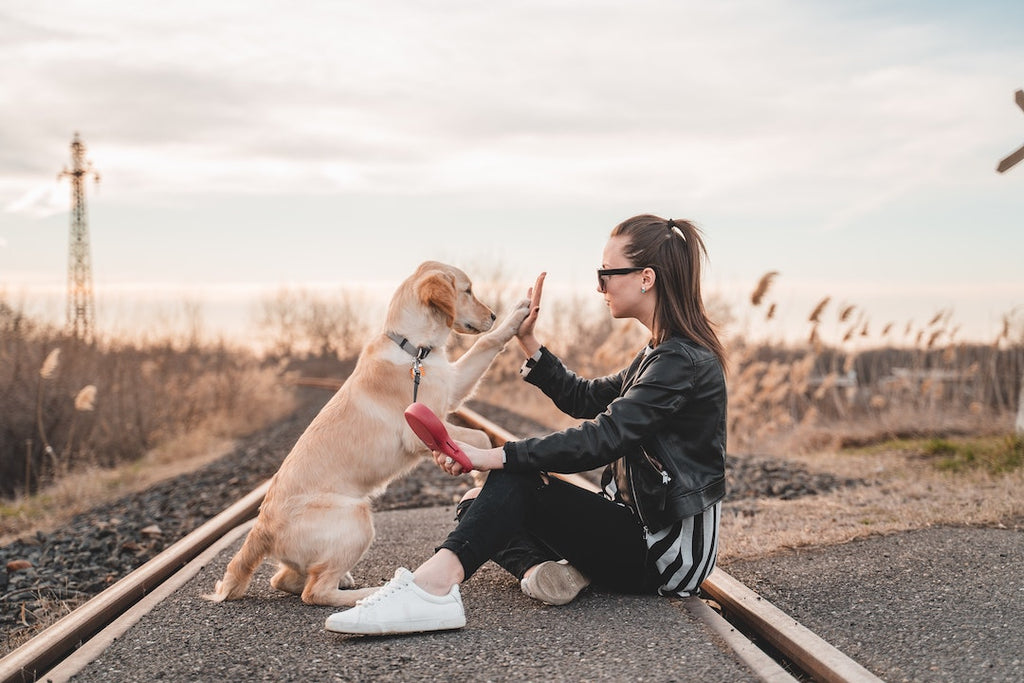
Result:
684,553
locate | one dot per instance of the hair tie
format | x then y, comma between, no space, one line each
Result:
672,226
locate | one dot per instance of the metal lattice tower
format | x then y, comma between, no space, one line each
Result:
80,298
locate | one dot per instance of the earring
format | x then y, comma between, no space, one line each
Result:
643,290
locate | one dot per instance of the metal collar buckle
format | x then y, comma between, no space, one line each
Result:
420,352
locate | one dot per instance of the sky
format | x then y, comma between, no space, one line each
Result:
248,146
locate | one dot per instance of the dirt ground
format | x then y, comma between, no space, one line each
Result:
904,492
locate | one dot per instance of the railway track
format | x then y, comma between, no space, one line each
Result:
732,611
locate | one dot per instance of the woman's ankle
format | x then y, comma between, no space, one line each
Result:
439,573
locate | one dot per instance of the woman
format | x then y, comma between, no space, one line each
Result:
659,426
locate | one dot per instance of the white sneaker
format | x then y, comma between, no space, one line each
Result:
554,583
400,606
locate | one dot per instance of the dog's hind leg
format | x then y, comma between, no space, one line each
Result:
289,580
239,571
351,534
322,589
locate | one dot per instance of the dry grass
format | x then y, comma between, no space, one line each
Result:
906,492
82,423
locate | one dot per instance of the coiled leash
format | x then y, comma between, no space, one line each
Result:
418,353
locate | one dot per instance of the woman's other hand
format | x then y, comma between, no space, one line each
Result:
483,459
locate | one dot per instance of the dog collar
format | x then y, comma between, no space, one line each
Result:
420,352
418,355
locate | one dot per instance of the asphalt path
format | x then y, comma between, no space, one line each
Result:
938,604
270,636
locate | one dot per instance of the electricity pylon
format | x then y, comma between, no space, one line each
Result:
80,298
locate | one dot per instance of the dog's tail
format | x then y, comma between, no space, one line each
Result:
239,573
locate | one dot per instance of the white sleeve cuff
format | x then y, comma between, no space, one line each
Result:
530,362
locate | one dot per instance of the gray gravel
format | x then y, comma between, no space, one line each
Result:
940,604
269,636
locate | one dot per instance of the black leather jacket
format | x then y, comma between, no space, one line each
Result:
659,426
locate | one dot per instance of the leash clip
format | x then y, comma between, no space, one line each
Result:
416,372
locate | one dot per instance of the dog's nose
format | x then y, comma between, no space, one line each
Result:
493,317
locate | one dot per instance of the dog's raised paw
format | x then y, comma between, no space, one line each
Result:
510,325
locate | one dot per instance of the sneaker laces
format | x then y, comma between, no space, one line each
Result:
390,588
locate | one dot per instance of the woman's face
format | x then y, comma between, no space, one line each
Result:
622,292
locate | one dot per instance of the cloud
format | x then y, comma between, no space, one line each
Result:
40,202
663,99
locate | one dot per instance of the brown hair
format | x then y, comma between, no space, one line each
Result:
674,250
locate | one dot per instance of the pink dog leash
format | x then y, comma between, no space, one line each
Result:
429,428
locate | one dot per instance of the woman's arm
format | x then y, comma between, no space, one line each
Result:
572,394
663,386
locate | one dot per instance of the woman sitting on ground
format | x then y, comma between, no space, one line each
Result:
659,426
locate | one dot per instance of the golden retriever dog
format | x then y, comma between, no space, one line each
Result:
316,520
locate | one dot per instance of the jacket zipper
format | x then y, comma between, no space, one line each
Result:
636,501
665,479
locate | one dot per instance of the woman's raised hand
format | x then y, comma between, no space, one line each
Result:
525,334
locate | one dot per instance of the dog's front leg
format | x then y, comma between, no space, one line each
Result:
472,365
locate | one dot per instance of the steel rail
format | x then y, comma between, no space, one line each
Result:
799,644
30,661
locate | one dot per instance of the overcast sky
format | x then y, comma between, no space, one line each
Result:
851,146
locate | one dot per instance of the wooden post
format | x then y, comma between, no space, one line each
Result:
1020,407
1016,156
1003,167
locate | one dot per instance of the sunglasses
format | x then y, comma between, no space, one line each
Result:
604,273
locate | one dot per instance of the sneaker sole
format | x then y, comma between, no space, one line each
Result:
421,626
557,585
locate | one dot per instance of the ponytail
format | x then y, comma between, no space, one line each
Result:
674,249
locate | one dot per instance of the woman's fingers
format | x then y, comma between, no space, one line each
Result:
447,463
536,291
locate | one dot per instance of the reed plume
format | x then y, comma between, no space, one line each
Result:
816,313
85,400
813,339
50,364
46,372
762,287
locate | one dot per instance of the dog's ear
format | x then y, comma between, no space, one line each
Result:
437,289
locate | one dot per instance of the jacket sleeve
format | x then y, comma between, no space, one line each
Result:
573,395
663,385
